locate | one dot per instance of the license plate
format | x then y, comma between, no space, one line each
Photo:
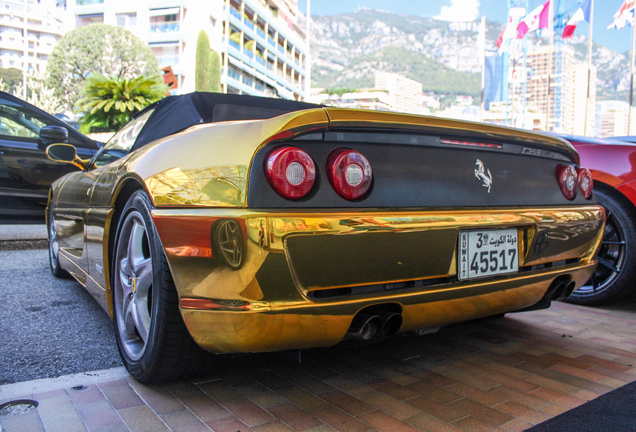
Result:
487,253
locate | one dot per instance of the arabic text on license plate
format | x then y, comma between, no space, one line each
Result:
487,253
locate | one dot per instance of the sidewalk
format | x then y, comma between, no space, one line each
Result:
501,374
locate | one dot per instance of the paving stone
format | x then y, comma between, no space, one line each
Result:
294,417
98,414
340,420
184,421
142,419
248,412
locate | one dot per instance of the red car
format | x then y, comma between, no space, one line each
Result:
613,165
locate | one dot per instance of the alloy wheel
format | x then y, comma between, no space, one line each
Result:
611,259
54,247
133,286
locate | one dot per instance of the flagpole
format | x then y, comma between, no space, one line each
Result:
551,36
308,56
589,68
631,81
482,54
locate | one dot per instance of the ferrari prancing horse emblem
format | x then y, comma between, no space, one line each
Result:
480,173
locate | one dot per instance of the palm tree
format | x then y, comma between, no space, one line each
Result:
110,102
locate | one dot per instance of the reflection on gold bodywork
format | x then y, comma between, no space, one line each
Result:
199,177
222,186
288,256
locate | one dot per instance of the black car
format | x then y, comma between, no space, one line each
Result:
26,173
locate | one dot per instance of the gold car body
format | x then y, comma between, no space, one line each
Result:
195,179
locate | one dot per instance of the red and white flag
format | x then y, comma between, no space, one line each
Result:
507,33
538,18
624,15
581,14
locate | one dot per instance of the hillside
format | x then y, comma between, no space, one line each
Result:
349,49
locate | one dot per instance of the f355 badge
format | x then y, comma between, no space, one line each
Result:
480,173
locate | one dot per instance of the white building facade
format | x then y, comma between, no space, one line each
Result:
263,49
29,30
405,95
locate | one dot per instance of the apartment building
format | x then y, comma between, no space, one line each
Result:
29,30
581,86
262,47
612,117
405,95
568,90
370,99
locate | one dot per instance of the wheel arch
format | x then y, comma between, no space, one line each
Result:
123,192
617,194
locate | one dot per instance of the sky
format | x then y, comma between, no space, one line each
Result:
495,10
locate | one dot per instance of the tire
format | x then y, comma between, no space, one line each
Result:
614,275
54,250
153,341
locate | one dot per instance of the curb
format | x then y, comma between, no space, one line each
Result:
26,388
13,245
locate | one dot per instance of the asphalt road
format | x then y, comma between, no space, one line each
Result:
48,327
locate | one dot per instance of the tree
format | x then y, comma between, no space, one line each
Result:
11,78
215,74
39,93
110,102
203,66
97,48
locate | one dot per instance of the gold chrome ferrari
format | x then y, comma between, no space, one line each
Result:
224,224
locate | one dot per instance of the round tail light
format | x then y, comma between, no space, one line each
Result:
567,178
290,171
586,184
349,173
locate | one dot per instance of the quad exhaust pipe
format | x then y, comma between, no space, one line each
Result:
560,288
366,326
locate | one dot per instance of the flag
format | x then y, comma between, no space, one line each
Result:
507,33
582,13
624,15
536,19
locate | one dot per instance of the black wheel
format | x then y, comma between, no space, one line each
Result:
54,250
614,275
152,338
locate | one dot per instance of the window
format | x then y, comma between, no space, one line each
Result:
164,20
122,142
17,121
126,19
84,20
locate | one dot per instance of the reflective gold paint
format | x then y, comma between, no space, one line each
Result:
341,117
278,314
200,176
184,171
223,186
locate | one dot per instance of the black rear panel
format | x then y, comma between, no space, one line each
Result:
421,171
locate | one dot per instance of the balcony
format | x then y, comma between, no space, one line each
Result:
248,81
249,24
168,61
234,74
236,13
271,41
248,53
165,27
235,44
260,32
260,60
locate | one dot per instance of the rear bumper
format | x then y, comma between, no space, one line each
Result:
269,303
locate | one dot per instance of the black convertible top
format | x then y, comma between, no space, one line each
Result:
176,113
